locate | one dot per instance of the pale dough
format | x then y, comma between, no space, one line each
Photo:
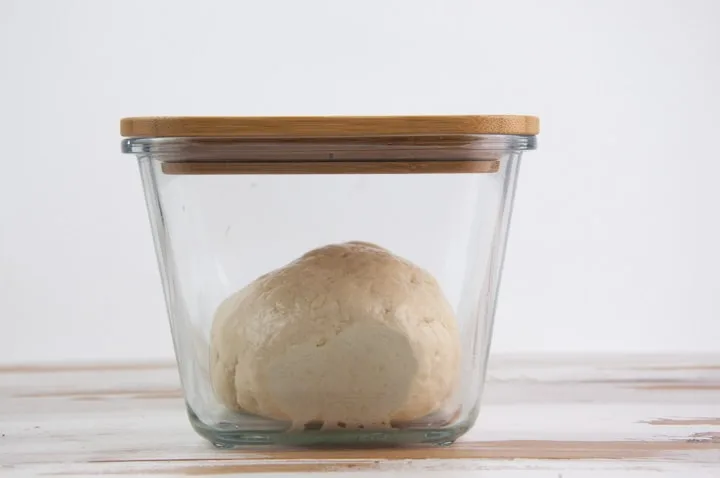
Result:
349,334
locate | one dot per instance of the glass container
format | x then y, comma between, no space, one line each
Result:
330,280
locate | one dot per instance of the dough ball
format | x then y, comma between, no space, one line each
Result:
348,334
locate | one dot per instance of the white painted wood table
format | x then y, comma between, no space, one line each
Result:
571,417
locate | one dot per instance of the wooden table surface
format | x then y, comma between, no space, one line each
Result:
569,417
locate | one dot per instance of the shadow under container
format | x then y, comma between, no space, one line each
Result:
330,280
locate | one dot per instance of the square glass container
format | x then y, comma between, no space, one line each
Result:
330,280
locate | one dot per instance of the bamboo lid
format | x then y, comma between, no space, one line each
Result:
326,126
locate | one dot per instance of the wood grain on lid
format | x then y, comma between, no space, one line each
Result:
326,126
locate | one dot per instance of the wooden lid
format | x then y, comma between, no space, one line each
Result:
325,126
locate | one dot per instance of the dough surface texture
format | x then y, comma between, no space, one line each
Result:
349,335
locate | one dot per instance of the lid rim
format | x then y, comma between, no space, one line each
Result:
325,126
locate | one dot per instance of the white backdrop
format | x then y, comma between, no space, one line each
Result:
615,238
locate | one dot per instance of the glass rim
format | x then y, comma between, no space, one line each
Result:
322,145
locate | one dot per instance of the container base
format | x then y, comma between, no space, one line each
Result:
229,438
